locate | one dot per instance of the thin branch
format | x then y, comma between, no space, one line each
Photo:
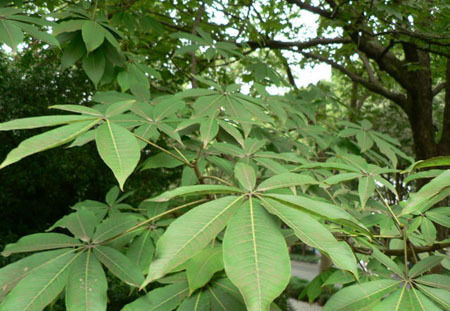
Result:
398,98
277,44
439,88
312,9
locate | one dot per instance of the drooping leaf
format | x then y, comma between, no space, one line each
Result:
11,274
285,180
190,233
10,33
93,35
40,241
353,297
225,296
438,295
119,265
119,149
201,267
87,285
194,190
94,66
255,256
165,298
47,140
208,130
311,232
41,286
141,251
36,122
366,188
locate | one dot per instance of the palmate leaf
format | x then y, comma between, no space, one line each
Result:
201,267
194,190
41,286
36,122
119,265
48,140
119,149
190,233
435,280
87,285
224,296
417,201
165,298
40,241
313,233
438,295
352,298
81,224
198,302
246,176
255,256
285,180
11,274
141,250
406,299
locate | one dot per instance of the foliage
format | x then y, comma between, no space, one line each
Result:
257,170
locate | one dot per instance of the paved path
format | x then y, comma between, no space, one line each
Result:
305,271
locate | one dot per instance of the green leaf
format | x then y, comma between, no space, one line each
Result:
165,298
428,231
224,296
286,180
435,280
424,174
353,297
40,241
119,149
141,250
41,286
405,299
113,226
198,302
246,176
439,295
365,142
11,274
201,267
433,162
78,109
74,51
87,285
10,33
385,260
36,122
425,265
93,35
167,108
337,179
313,233
194,190
37,34
94,66
366,188
47,140
339,277
68,26
315,207
81,224
208,130
190,233
163,159
119,265
255,256
426,193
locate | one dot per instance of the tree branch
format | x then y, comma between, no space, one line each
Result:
439,88
312,9
400,252
281,45
398,98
